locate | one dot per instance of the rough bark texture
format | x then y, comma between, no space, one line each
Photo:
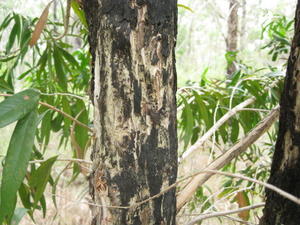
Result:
135,155
285,171
232,33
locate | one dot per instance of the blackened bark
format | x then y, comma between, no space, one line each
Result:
135,155
232,34
285,171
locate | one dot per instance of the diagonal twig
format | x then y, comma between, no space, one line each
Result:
224,213
214,128
187,193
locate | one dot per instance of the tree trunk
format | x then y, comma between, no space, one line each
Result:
232,36
285,171
243,25
135,153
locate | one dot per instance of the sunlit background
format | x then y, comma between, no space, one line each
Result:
201,33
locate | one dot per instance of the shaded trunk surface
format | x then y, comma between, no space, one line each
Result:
232,35
285,171
134,86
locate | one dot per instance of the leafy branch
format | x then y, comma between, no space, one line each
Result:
186,194
59,111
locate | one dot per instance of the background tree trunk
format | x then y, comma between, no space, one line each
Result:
285,171
135,154
232,34
243,25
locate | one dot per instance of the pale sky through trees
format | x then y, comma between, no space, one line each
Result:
200,41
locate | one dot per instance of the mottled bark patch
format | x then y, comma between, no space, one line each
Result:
135,109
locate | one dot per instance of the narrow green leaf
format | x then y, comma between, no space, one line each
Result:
17,106
26,32
204,113
39,178
67,109
25,37
60,73
79,12
222,130
203,77
44,205
234,130
70,58
4,86
45,129
25,74
185,7
16,162
56,123
18,21
6,59
24,194
42,63
6,22
81,134
188,120
8,76
14,33
12,38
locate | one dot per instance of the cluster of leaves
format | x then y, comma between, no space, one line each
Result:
279,31
21,107
60,80
203,104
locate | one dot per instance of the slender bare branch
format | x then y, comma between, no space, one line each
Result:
214,128
266,185
239,220
227,196
187,193
224,213
66,115
63,160
66,94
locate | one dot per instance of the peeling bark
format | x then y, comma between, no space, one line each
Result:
135,155
285,171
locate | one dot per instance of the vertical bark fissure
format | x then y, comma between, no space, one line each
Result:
135,155
286,160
